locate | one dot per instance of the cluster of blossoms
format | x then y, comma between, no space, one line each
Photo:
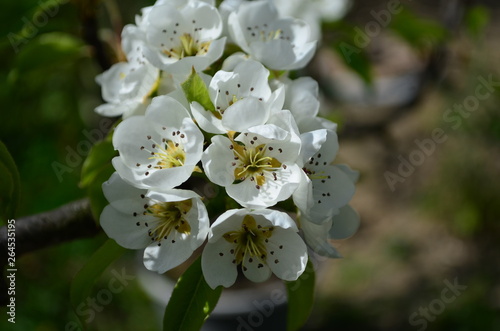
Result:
194,114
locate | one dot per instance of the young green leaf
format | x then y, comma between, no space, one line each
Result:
476,20
191,302
300,298
99,157
81,286
195,90
10,188
96,170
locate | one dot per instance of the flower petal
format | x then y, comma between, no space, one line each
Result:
123,228
216,161
316,237
217,264
287,254
344,224
256,271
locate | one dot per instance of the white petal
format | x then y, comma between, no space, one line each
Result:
332,191
311,143
345,224
328,150
123,228
131,140
277,54
271,192
123,196
216,263
316,237
352,174
302,97
286,254
169,255
244,114
216,160
303,56
315,123
110,81
206,120
275,217
256,271
221,225
303,195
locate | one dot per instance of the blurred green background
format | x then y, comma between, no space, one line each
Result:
440,224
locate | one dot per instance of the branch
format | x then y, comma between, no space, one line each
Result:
69,222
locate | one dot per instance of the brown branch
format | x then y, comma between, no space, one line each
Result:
66,223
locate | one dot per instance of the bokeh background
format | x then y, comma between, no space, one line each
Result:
432,223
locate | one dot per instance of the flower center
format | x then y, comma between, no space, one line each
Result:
250,240
188,47
169,156
264,33
169,216
253,163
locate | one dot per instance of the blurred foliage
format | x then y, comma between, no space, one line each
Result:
420,33
48,93
476,20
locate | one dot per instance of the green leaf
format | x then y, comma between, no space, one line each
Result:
300,298
47,51
356,59
96,169
99,157
418,32
476,20
191,302
81,286
10,185
195,90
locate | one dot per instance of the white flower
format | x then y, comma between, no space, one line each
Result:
126,86
280,44
341,226
261,241
313,12
169,224
181,38
302,99
257,168
242,99
160,149
325,187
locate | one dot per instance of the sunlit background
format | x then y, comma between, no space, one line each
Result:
411,120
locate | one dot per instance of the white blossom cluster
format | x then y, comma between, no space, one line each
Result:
256,135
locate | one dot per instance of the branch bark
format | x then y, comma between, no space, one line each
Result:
66,223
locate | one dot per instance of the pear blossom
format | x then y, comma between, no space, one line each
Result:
258,167
314,12
242,99
325,187
159,149
126,86
302,99
340,226
168,224
182,37
263,242
279,43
